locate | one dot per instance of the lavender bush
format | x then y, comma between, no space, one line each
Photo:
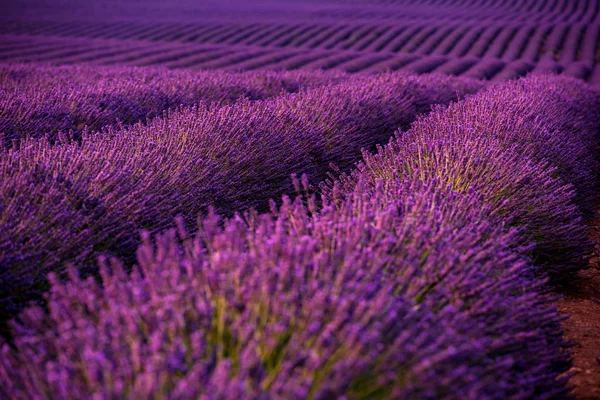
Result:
38,100
420,273
72,201
503,145
549,119
416,297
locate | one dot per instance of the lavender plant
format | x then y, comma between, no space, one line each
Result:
549,119
418,275
415,297
511,153
72,201
38,100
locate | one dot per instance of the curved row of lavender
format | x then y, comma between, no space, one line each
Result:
413,283
38,100
72,201
544,129
485,51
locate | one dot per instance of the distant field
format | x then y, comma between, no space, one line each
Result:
495,40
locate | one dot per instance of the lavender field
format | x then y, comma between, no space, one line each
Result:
343,199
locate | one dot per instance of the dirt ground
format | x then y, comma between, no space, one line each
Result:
583,326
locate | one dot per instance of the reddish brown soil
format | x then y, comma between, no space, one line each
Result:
584,325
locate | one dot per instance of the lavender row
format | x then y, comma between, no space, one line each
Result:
60,20
239,58
69,202
418,34
39,100
406,291
529,147
412,284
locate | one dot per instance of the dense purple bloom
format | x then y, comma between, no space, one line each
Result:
38,100
551,119
420,272
68,202
524,162
414,283
372,298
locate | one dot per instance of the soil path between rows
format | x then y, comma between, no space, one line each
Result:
583,327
